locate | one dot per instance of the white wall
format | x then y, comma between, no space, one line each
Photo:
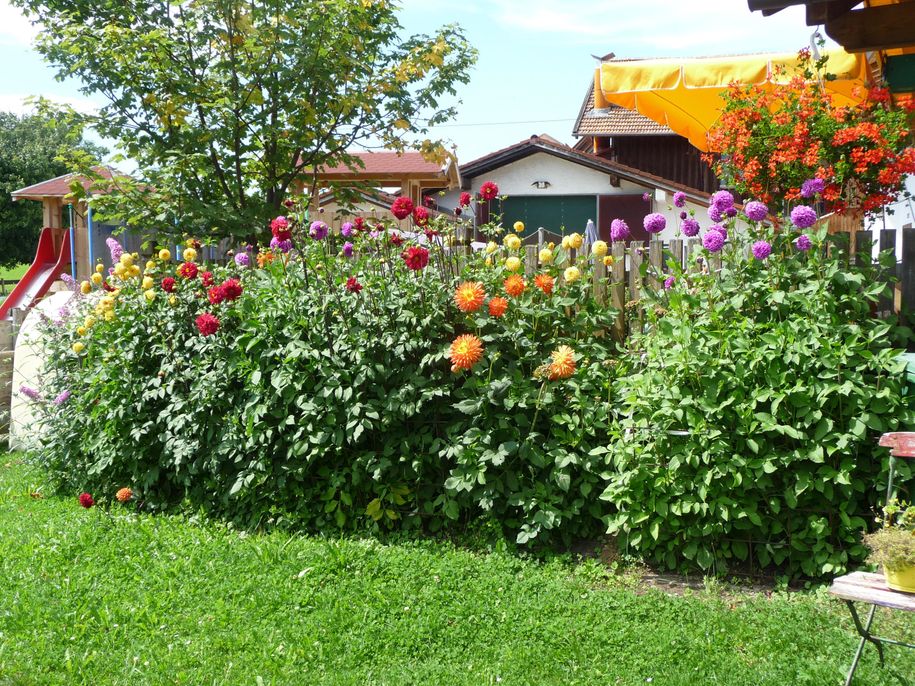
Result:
570,178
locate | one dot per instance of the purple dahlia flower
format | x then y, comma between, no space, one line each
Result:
282,246
715,214
803,242
713,241
679,199
762,249
720,229
722,200
803,217
619,230
654,223
669,283
318,230
812,187
347,229
756,211
690,227
242,259
683,215
348,249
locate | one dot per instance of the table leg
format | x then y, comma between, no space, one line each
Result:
864,633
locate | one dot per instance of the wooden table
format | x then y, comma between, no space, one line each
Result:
870,588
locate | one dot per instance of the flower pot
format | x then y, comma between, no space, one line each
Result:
902,579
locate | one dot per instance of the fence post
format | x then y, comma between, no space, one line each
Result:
656,260
618,289
907,277
891,275
541,234
691,263
600,280
530,259
635,276
675,250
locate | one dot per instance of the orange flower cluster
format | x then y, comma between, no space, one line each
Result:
469,296
514,285
465,351
545,283
498,306
562,364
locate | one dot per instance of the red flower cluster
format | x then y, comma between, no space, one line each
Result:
353,285
359,224
188,270
396,239
207,279
280,229
464,200
420,216
232,289
168,284
402,207
416,258
86,500
207,324
489,190
216,295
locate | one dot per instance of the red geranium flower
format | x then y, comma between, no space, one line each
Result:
402,207
359,224
489,190
168,284
207,279
232,289
416,257
216,294
353,285
465,200
420,216
86,500
188,270
207,324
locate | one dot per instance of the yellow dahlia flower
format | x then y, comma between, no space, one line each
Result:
571,274
109,315
150,294
546,256
189,254
78,347
126,259
172,300
85,288
96,279
99,268
165,254
608,261
511,241
189,243
491,247
150,266
81,330
133,271
120,271
148,282
512,264
566,242
89,322
599,249
575,240
518,227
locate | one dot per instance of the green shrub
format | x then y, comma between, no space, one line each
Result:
750,417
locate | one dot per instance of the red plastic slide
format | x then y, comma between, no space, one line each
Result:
46,269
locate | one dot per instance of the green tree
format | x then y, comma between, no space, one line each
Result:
226,105
30,151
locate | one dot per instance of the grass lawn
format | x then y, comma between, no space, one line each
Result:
88,597
17,272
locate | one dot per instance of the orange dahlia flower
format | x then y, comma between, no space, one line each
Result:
465,351
497,306
469,296
123,495
563,363
514,285
545,283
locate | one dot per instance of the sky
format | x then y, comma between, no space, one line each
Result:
535,58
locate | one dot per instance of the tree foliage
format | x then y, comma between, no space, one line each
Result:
30,149
226,104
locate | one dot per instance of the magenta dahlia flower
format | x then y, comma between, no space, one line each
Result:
690,227
812,187
619,230
803,217
654,222
679,199
713,241
762,249
756,211
803,242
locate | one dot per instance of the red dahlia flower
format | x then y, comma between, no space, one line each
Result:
168,284
416,258
465,200
216,295
86,500
429,201
188,270
353,285
280,229
489,190
207,324
402,207
420,216
396,239
232,289
359,224
207,279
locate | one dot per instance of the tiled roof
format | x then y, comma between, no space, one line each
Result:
387,163
59,186
535,144
614,121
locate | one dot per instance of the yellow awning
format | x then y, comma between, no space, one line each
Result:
685,94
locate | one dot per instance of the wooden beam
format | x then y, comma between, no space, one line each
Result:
827,10
875,28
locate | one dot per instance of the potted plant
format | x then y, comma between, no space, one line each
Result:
893,545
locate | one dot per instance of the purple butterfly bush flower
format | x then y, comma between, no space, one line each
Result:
242,260
347,229
70,281
646,197
715,214
679,199
812,187
619,230
713,241
756,211
348,249
654,223
318,230
803,217
30,393
762,249
115,248
669,283
690,227
803,242
723,200
63,397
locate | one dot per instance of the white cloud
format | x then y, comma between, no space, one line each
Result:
15,29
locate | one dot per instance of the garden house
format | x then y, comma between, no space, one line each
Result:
552,185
